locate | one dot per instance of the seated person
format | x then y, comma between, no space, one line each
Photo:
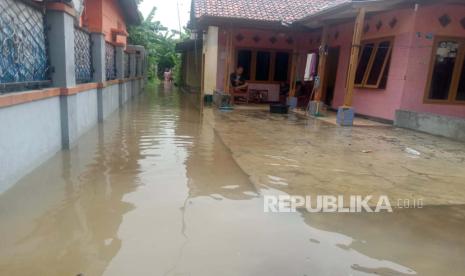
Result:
237,80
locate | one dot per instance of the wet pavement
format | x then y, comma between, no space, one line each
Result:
161,190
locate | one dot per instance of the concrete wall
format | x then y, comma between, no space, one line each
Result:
30,134
136,88
126,92
110,96
87,111
432,123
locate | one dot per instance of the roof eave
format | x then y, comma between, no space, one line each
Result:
131,12
207,20
347,11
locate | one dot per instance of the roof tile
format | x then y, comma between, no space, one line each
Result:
263,10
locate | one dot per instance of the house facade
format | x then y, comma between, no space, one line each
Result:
398,61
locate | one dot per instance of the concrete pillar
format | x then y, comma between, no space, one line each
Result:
69,126
132,71
119,62
144,63
61,49
98,61
98,56
210,50
140,54
132,64
134,51
120,72
143,68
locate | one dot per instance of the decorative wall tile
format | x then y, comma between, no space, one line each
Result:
239,37
393,22
445,20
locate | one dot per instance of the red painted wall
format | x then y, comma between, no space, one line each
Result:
105,16
113,19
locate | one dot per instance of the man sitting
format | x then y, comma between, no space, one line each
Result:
238,84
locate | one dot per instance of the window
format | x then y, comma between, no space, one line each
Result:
373,65
262,70
446,81
263,65
244,59
281,67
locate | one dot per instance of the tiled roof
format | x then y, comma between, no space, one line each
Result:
263,10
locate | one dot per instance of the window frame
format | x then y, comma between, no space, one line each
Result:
253,63
367,72
457,71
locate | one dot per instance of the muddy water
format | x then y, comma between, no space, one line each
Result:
154,191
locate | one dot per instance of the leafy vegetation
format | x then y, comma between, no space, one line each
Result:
160,44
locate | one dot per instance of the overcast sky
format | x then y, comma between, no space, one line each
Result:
167,11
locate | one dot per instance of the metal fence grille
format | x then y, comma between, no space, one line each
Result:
110,61
126,65
23,52
82,56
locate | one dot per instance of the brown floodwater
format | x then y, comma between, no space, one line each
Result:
155,191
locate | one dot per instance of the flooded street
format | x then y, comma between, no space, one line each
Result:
159,189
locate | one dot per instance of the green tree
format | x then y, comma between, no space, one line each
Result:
159,42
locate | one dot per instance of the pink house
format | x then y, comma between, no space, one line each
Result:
398,61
